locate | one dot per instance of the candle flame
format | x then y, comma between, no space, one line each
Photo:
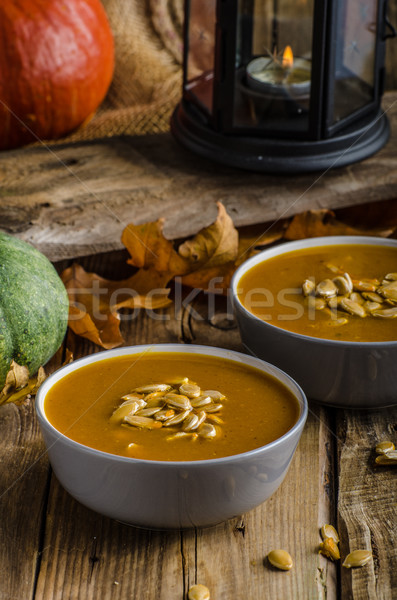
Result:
288,58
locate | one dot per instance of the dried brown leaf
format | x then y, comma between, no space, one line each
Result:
94,302
19,385
251,240
316,223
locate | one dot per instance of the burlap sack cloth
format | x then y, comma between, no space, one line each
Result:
147,82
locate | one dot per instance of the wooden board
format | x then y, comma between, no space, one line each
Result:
76,199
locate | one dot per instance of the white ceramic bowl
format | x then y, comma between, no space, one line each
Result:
337,373
162,495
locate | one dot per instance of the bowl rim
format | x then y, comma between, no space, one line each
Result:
232,355
284,248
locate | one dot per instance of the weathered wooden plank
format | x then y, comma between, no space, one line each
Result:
367,508
23,494
74,200
86,557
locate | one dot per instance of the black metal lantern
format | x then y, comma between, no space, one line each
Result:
283,85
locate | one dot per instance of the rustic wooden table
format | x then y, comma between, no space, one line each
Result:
54,548
51,547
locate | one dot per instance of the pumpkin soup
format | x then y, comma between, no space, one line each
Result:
336,292
160,406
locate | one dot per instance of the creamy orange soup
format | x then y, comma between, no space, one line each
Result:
257,408
272,291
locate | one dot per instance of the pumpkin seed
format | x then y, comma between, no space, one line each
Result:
122,411
178,401
391,277
148,412
164,414
179,417
214,394
365,285
352,307
326,288
386,313
371,306
153,387
308,287
202,416
154,396
334,302
387,459
372,296
179,381
357,558
333,268
191,422
344,284
280,559
316,303
179,435
140,403
384,447
349,281
214,419
388,291
142,422
211,408
190,390
329,531
329,548
132,398
206,430
198,592
356,297
200,401
337,322
155,402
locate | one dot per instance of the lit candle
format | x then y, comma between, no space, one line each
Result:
275,77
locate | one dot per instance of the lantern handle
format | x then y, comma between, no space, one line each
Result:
392,33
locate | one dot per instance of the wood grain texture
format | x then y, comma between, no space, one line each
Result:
367,507
74,200
23,493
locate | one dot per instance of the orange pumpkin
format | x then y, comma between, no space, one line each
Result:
56,65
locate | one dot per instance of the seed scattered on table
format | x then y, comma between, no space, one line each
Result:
280,559
329,548
329,531
388,458
198,592
387,453
180,404
384,447
357,558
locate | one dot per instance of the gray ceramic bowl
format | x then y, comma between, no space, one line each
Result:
337,373
162,495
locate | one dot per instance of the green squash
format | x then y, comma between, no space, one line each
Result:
33,307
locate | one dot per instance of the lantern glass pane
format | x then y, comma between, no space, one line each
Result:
201,53
355,56
273,65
